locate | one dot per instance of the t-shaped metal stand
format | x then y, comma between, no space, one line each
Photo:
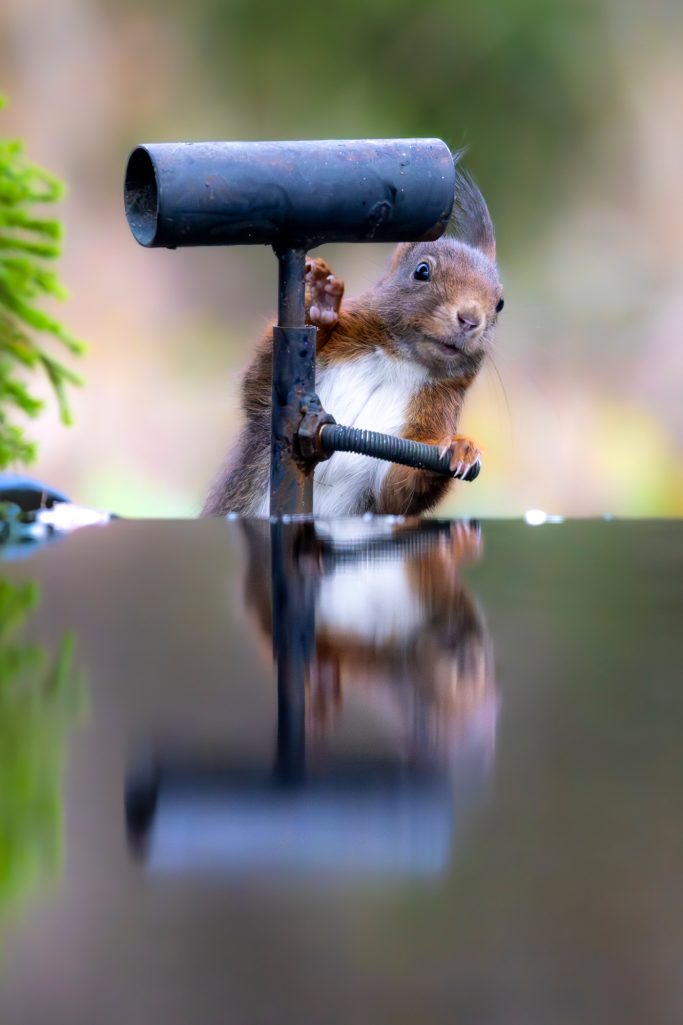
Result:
294,196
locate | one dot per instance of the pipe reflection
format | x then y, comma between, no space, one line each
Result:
386,711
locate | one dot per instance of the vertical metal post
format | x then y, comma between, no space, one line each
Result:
291,481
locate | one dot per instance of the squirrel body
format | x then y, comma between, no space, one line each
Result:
397,359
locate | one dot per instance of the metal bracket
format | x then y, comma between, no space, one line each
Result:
309,434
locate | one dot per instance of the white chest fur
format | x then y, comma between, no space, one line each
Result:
373,393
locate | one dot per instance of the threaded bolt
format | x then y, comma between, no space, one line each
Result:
337,438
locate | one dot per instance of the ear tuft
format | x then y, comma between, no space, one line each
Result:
470,220
400,253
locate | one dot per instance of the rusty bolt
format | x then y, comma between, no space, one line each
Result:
308,435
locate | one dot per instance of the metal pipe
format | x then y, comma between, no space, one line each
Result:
291,310
289,194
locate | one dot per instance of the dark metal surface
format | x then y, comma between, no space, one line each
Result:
289,194
291,477
540,881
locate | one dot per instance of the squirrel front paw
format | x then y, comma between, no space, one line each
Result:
463,454
323,293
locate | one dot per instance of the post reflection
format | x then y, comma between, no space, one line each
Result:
386,712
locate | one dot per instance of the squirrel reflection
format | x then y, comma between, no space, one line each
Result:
398,637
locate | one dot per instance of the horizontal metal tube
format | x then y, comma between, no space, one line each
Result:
289,194
336,438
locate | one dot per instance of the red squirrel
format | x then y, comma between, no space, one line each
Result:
398,359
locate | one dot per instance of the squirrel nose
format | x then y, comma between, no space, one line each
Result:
469,319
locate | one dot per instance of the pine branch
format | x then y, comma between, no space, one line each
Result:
27,243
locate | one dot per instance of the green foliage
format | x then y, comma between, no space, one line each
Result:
27,242
39,698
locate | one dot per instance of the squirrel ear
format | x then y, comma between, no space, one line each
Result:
400,253
470,219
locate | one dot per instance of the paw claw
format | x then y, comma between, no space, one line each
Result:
464,455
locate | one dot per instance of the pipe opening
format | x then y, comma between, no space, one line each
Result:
141,196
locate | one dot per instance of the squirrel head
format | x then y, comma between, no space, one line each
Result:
441,299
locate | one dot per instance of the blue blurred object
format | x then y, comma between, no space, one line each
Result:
27,493
33,514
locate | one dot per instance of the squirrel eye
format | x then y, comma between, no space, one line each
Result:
499,305
422,272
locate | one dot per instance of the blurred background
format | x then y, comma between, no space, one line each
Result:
572,114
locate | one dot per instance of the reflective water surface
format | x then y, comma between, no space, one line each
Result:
334,771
